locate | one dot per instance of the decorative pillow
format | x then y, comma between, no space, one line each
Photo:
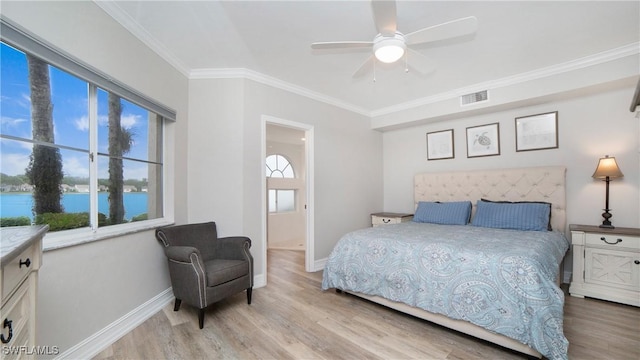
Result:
526,202
523,215
446,213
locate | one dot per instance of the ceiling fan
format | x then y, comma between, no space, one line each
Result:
390,45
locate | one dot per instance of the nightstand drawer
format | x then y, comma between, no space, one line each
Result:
378,219
18,269
375,220
17,311
613,241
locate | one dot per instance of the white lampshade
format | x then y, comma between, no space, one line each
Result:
607,167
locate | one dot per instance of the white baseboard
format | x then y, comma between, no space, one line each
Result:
319,264
258,281
99,341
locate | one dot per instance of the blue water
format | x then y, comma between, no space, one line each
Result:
12,205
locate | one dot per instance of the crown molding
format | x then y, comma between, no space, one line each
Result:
572,65
130,24
243,73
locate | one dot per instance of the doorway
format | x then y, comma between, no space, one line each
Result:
287,148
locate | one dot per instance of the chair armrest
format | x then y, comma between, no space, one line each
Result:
181,253
187,273
233,247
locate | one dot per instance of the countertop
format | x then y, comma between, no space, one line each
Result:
14,239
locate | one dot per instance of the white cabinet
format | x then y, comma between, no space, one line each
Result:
385,218
21,256
606,263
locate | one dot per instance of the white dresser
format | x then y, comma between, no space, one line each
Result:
21,256
384,218
606,263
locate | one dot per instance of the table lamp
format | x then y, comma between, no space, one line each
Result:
607,170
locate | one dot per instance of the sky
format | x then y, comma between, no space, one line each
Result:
69,96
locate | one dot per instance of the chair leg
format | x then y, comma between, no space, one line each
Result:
249,295
176,306
201,318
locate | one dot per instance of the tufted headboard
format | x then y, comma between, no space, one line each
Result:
517,184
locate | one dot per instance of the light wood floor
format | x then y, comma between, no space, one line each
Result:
291,318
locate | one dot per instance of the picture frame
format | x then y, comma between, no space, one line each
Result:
537,132
440,145
483,140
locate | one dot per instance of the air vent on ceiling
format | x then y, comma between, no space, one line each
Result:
474,98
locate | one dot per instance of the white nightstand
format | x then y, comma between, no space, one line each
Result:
606,263
385,218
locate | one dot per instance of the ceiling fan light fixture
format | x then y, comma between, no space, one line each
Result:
389,50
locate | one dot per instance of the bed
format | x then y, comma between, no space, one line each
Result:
499,285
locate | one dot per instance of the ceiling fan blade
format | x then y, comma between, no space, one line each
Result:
454,28
420,63
366,67
384,15
342,45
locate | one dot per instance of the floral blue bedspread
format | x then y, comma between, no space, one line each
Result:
501,280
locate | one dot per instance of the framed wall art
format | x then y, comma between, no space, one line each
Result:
440,145
537,132
483,140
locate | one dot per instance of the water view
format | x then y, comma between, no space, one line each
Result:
13,205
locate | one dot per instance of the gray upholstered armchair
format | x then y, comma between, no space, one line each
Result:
205,268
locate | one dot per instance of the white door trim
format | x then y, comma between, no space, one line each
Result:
309,246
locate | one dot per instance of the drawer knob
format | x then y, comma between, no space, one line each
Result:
27,263
386,221
637,262
610,243
7,323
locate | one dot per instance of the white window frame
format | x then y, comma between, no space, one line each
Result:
279,169
19,38
278,210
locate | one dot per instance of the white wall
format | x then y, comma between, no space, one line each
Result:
84,288
347,161
589,127
215,152
225,181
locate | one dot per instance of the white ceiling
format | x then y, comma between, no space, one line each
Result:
271,40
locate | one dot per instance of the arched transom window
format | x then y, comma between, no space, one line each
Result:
280,200
279,167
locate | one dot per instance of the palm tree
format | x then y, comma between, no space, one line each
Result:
45,163
120,142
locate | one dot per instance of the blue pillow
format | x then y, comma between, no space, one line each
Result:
532,216
446,213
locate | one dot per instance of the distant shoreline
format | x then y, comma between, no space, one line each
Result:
16,204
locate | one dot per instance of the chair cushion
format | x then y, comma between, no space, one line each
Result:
222,270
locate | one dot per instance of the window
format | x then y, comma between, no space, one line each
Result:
280,200
279,167
78,151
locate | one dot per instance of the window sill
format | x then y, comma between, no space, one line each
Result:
63,239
